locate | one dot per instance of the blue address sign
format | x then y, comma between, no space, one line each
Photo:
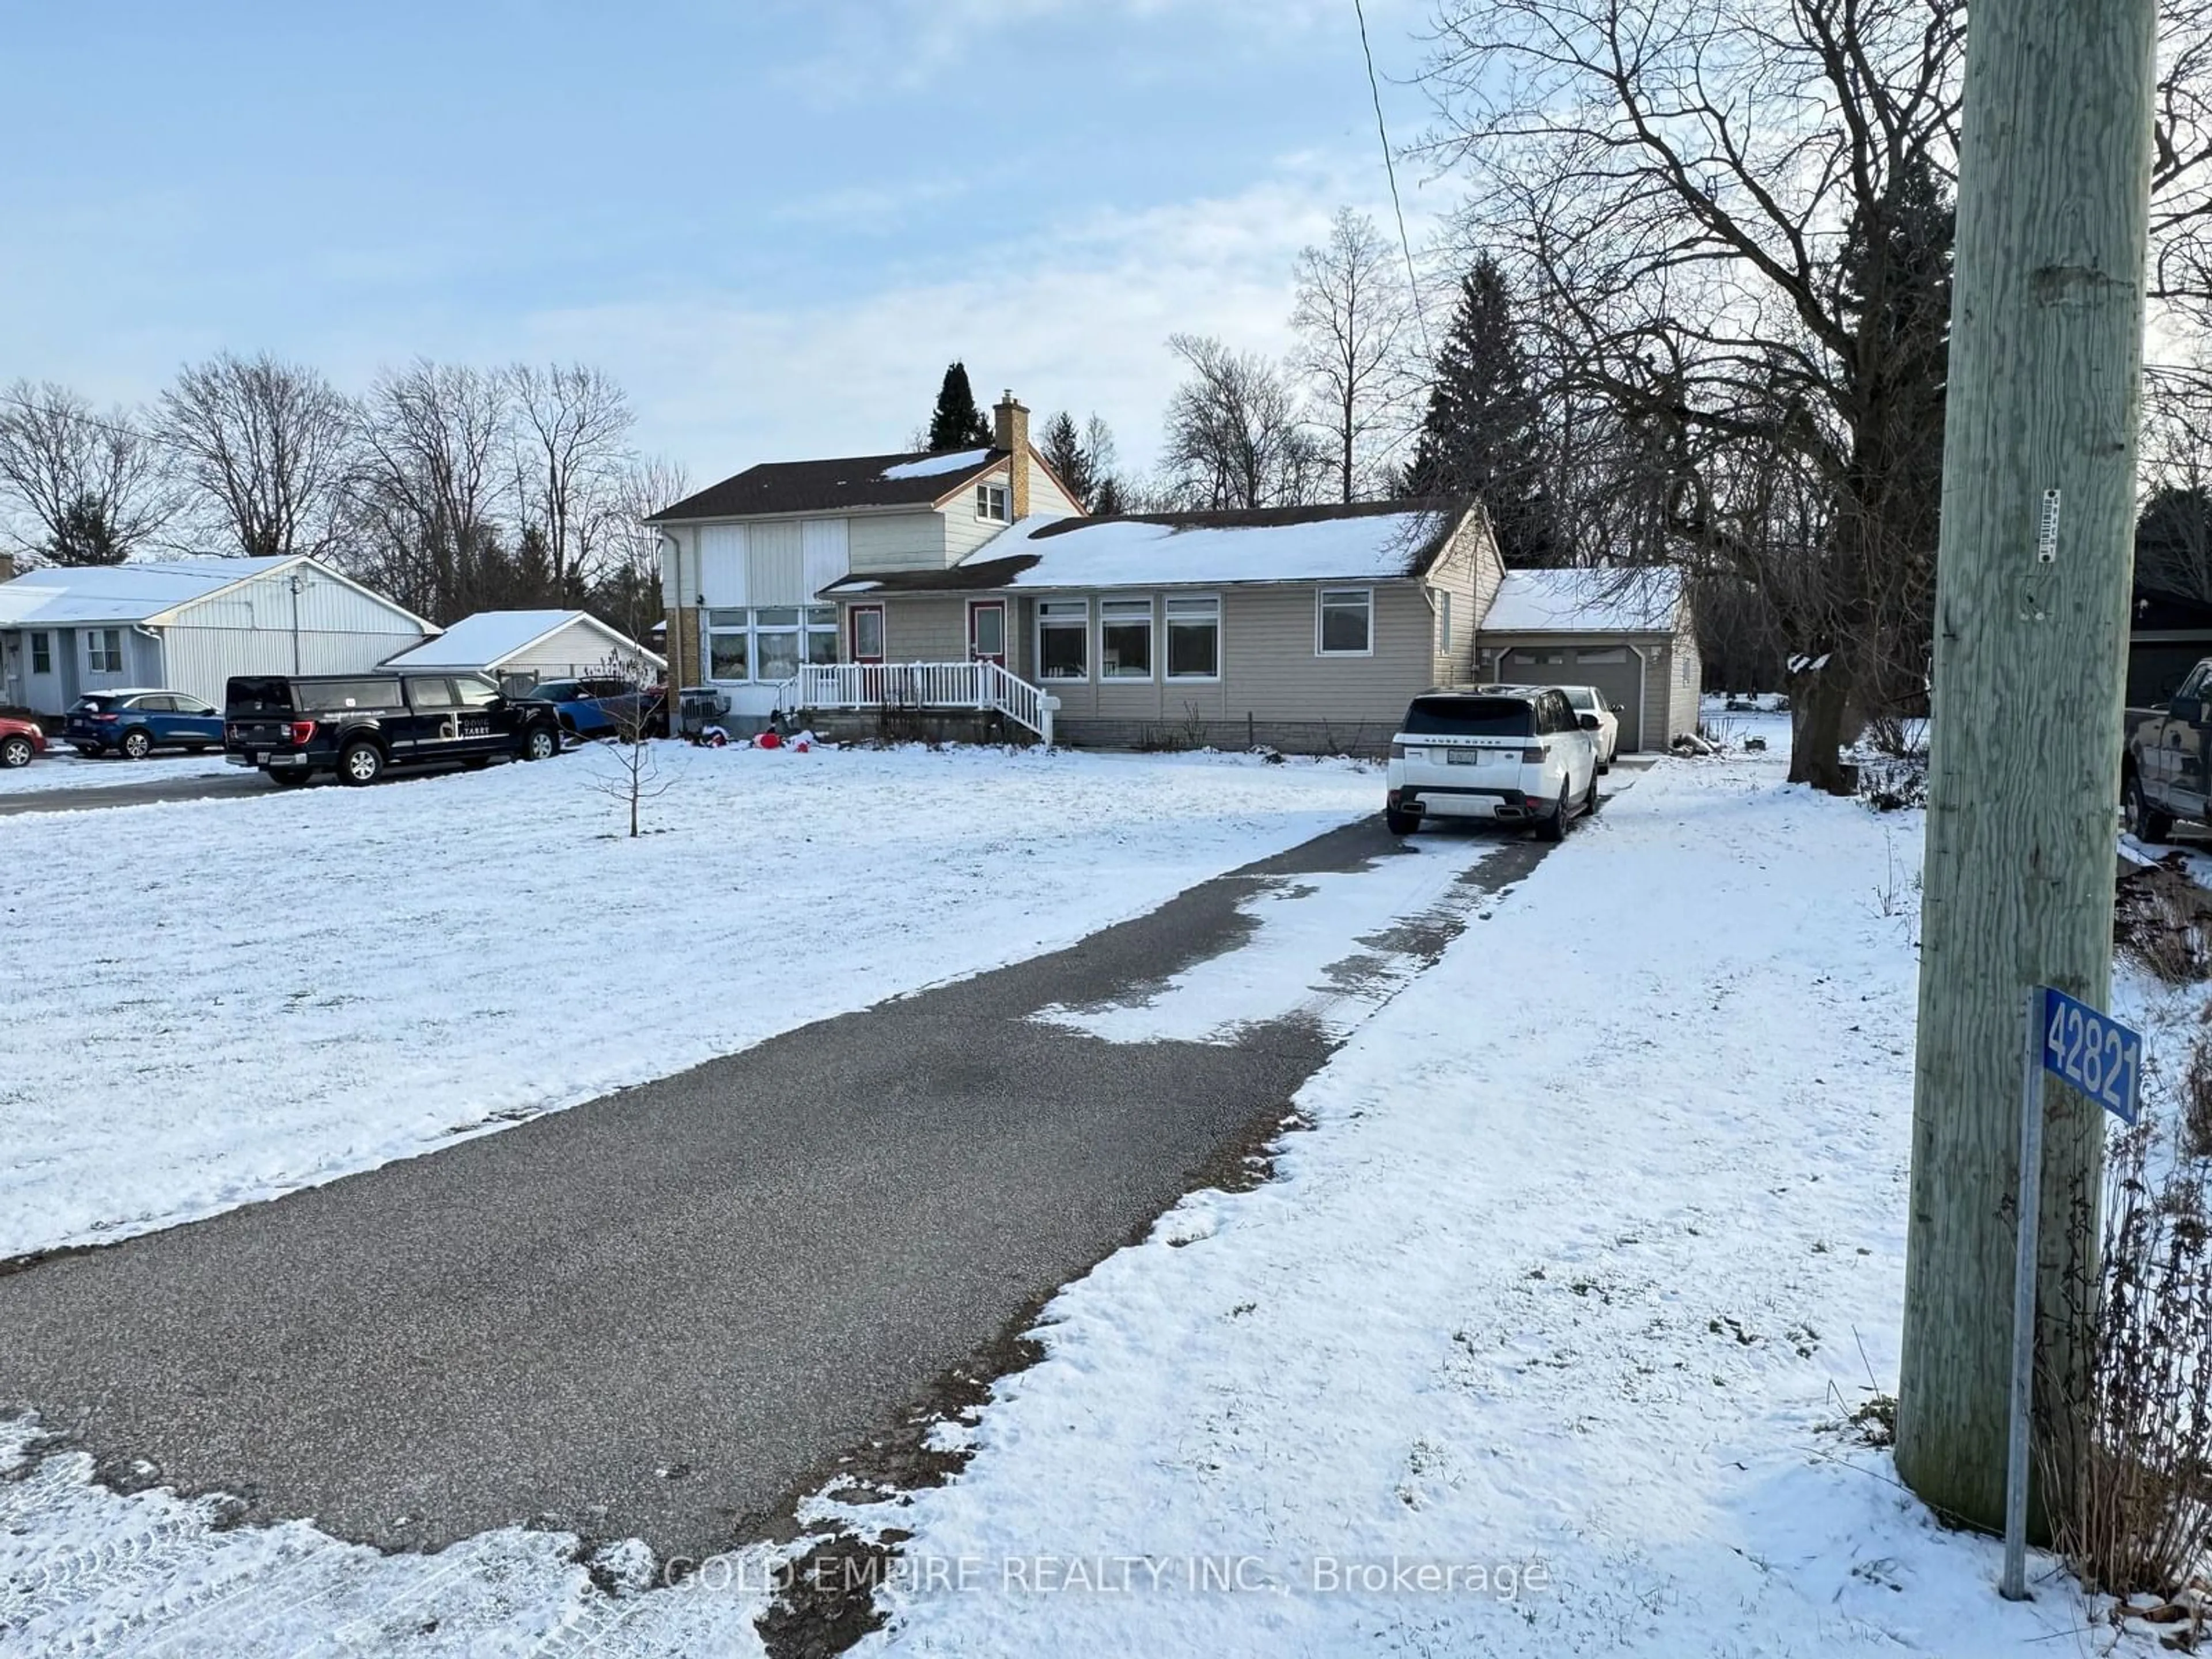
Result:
2092,1052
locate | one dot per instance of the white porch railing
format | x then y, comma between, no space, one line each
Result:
985,686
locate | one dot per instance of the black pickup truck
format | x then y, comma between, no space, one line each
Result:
2162,772
294,727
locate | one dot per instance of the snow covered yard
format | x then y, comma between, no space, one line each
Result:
231,999
1536,1344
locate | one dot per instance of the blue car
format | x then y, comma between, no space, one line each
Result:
136,723
601,708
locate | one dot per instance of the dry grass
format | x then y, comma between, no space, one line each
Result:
2126,1438
2163,920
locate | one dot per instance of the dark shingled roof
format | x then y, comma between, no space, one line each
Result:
833,486
974,573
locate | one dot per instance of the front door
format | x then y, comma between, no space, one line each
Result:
986,631
864,626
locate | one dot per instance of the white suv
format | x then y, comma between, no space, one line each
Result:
1510,754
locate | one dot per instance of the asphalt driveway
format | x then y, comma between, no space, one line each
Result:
666,1312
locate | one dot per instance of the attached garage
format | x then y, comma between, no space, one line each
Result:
1626,632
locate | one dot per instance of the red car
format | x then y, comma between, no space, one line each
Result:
21,742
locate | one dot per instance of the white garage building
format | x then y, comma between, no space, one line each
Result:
519,649
188,625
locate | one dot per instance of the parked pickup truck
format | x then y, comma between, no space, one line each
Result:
2162,772
292,727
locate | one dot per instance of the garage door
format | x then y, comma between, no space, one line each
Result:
1614,669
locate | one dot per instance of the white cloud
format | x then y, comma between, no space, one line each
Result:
1077,318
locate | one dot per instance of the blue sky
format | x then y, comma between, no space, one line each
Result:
774,222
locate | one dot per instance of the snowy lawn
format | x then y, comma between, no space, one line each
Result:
62,768
235,998
1535,1345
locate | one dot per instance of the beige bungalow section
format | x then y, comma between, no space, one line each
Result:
1307,628
1626,632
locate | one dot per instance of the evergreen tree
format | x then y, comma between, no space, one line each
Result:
1107,502
1482,436
1064,452
956,423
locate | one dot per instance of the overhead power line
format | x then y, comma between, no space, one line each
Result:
1390,171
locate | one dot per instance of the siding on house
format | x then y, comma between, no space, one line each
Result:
1469,570
575,648
1686,685
248,629
898,541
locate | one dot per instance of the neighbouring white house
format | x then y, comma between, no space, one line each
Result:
188,625
519,648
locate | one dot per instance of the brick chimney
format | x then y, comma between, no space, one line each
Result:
1010,432
7,567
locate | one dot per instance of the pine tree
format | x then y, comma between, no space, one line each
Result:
957,423
1107,502
1064,452
1482,436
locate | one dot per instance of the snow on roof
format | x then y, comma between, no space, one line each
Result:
1135,553
63,594
929,465
1587,601
490,638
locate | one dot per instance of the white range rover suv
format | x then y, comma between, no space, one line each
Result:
1512,754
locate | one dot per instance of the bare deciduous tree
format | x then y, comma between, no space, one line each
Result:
1354,317
1734,221
1235,434
570,444
265,446
92,487
426,491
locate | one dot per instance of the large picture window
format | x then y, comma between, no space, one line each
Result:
1125,639
767,645
1193,631
729,645
1063,636
1344,624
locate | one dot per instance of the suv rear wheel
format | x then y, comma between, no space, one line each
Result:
137,743
291,778
16,750
1554,827
361,762
1401,823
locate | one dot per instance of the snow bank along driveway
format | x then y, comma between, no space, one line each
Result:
214,1002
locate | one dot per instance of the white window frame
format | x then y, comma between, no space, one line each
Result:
103,650
1220,638
1443,622
709,630
42,653
1321,598
1082,624
992,502
1127,619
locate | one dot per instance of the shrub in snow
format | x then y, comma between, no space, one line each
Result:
2126,1430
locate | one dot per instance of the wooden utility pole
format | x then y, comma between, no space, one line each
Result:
2031,647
